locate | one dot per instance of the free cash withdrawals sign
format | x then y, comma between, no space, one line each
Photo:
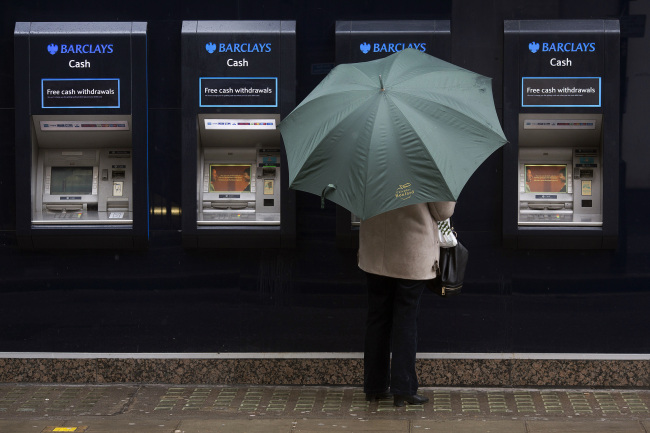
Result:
238,92
80,93
561,92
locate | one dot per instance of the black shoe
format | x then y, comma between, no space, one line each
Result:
372,396
399,400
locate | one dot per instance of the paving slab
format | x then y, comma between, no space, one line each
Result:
236,426
90,425
22,426
351,426
65,400
570,426
482,426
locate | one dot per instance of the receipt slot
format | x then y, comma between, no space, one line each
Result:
238,84
561,168
81,135
360,41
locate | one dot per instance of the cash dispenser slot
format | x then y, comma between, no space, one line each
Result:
117,205
548,206
64,207
223,205
268,172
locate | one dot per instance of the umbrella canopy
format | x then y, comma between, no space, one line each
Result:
375,136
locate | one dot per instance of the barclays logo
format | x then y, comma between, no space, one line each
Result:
365,47
80,49
563,47
211,47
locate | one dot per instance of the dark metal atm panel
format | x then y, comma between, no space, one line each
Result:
360,41
561,114
238,83
81,135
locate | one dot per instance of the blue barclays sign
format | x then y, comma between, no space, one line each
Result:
211,47
366,48
80,49
562,47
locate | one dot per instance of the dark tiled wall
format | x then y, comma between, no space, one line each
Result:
310,298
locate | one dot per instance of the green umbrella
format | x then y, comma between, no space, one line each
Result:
375,136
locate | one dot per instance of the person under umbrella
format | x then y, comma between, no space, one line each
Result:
393,141
398,251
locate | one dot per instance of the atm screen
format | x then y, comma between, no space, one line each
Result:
230,178
71,180
546,178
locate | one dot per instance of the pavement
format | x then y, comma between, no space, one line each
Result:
156,408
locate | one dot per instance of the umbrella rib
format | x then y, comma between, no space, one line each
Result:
327,133
366,166
340,72
428,155
459,115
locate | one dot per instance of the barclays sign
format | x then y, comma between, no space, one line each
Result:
366,48
211,47
562,47
80,48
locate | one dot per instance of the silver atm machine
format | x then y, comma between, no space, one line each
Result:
238,84
83,171
560,170
561,114
81,135
239,172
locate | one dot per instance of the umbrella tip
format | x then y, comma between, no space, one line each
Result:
381,82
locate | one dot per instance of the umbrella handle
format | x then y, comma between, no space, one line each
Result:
327,189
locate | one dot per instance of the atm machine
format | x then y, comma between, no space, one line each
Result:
560,170
561,111
81,135
238,84
361,41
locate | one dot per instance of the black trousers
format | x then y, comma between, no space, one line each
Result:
393,306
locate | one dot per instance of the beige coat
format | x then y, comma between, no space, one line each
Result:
402,243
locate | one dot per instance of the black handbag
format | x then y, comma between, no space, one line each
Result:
451,272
